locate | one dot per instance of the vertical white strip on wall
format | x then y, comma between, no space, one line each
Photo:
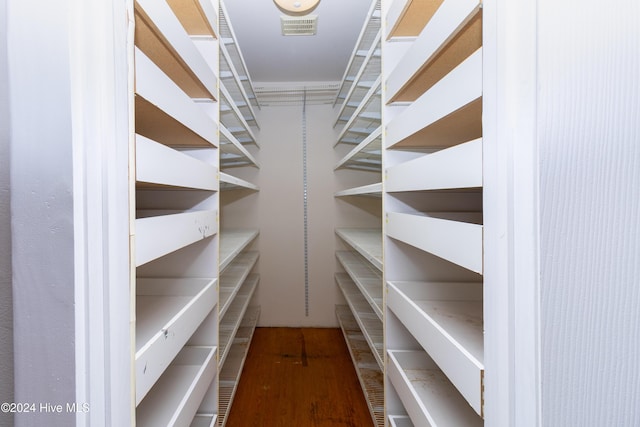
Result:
42,209
305,219
6,294
512,386
100,124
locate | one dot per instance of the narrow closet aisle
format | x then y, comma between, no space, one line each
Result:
299,377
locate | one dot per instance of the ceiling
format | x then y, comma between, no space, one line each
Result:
272,57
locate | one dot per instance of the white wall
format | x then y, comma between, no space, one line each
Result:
6,294
42,209
589,148
278,209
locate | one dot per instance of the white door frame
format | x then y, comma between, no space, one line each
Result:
511,272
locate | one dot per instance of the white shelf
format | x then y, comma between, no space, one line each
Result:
454,33
366,241
175,398
446,319
447,114
459,166
232,242
367,369
371,190
365,119
366,39
166,114
231,117
362,82
159,235
230,182
230,323
235,55
232,369
369,323
185,171
427,395
233,278
454,236
168,311
400,421
233,152
162,37
233,83
367,155
202,420
368,280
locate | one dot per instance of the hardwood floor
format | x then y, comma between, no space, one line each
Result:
298,377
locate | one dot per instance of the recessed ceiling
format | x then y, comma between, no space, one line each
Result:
272,57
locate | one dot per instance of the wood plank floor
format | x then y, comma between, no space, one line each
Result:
297,377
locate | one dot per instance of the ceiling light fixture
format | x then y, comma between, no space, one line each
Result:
296,7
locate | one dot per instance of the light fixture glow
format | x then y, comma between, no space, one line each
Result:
296,7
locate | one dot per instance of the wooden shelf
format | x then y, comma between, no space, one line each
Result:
446,319
458,238
367,155
168,311
366,241
369,323
232,369
229,182
400,421
164,113
175,398
365,119
368,280
366,39
232,242
369,373
454,33
233,278
457,167
198,17
157,236
407,18
185,171
447,114
371,190
230,323
160,35
427,395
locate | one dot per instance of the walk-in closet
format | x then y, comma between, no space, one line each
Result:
372,213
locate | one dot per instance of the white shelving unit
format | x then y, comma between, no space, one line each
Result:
239,145
432,193
358,144
176,213
365,364
232,369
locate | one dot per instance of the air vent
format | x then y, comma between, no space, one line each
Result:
299,25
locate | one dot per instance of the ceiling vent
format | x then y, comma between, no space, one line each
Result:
299,25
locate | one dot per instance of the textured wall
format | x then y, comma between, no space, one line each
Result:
589,142
6,295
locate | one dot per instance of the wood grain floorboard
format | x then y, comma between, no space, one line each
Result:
298,377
